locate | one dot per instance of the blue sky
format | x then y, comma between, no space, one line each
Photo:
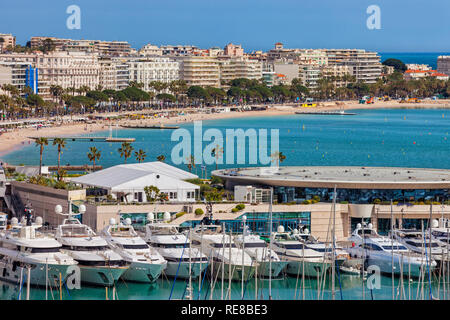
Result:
406,25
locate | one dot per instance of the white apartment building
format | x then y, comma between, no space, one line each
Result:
150,50
312,56
200,71
68,70
443,65
146,70
239,67
114,73
364,65
19,74
309,73
336,73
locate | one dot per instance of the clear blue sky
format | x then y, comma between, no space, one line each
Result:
407,25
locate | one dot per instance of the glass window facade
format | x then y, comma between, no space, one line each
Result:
298,195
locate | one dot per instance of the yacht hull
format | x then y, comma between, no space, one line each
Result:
309,268
102,276
144,272
38,273
183,269
266,270
236,271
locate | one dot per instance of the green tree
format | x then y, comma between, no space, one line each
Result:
125,151
93,155
140,155
41,142
152,193
61,143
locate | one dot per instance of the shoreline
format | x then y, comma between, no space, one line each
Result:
18,138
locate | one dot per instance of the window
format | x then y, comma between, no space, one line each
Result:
135,246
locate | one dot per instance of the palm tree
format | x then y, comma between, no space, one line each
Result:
42,142
161,158
140,155
125,150
190,162
61,143
217,153
94,155
278,157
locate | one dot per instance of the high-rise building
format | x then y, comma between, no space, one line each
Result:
200,71
148,69
20,75
362,64
443,65
239,67
114,73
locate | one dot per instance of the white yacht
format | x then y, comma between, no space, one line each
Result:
223,252
418,242
146,264
341,256
300,258
440,231
269,263
98,263
23,247
380,251
174,247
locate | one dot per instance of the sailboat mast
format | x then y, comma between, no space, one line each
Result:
270,243
333,234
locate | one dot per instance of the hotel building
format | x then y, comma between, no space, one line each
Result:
200,71
146,70
362,64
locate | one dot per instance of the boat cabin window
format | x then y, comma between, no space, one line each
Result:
371,246
43,250
75,231
395,247
221,245
169,245
421,244
293,246
83,248
255,245
135,246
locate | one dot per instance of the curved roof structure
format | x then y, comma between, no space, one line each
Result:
341,177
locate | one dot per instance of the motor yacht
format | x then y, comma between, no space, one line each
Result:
99,264
269,263
300,258
382,251
226,257
174,247
146,264
23,247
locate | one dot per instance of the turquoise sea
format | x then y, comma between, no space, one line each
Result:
429,58
381,137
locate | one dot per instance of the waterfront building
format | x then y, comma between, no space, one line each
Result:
443,65
7,40
150,50
68,70
114,73
200,71
364,65
148,69
20,75
309,74
126,183
336,74
362,192
239,67
268,73
289,71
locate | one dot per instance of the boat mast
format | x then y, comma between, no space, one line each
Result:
270,243
333,234
392,251
244,218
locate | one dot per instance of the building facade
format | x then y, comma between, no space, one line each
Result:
200,71
443,64
146,70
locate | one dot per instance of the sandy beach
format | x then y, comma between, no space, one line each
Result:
17,138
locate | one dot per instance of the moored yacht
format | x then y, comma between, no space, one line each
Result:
226,257
174,247
382,251
300,258
269,263
146,264
23,247
98,263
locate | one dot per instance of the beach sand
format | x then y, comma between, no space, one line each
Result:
17,138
